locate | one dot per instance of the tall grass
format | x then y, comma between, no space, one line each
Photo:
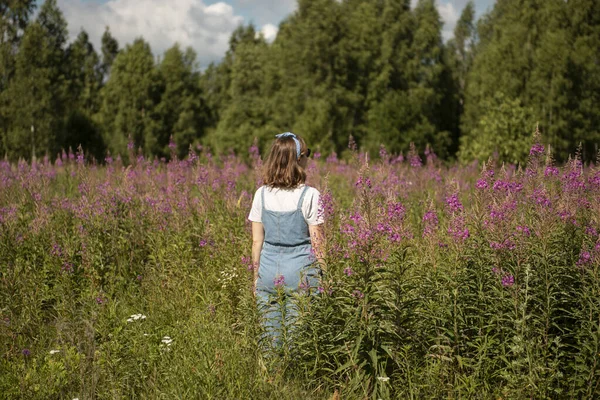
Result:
442,281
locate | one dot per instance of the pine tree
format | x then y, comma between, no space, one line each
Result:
528,50
32,106
14,18
459,54
129,100
412,113
389,81
245,116
110,49
583,70
181,109
504,131
84,83
312,98
215,82
37,92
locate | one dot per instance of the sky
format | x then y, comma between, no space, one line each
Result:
205,25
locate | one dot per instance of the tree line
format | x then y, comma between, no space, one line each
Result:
377,70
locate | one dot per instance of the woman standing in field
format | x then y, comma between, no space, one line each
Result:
287,230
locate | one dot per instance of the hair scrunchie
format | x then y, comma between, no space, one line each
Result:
293,136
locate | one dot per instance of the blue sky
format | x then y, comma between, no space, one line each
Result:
204,25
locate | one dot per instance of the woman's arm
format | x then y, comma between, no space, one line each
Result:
258,237
318,241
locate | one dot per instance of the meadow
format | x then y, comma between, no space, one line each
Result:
132,280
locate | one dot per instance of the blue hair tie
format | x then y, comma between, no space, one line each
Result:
290,134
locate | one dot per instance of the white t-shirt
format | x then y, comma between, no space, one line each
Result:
287,200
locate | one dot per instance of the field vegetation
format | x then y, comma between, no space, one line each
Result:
443,281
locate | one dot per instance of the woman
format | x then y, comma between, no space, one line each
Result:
287,231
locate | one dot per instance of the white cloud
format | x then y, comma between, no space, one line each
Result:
204,27
450,16
269,31
262,12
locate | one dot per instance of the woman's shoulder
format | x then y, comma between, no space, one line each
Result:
311,190
259,190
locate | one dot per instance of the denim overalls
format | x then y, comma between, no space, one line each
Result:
286,259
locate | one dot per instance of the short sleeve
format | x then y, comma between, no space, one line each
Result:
256,210
310,207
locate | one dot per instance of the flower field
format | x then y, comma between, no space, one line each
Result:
133,281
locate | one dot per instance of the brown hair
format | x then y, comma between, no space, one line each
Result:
282,168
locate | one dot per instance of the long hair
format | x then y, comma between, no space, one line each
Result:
282,168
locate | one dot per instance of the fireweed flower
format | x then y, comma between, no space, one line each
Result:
453,203
325,208
357,294
430,221
551,171
67,267
363,183
398,160
508,280
413,157
457,228
279,281
507,244
348,271
247,262
540,198
481,184
56,250
585,258
383,154
500,185
536,149
524,230
594,180
304,285
395,211
573,180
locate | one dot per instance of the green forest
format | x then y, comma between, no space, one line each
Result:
376,70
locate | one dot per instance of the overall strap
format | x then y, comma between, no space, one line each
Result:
262,197
302,197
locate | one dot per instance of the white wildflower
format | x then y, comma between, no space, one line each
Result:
136,317
54,352
383,378
167,340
